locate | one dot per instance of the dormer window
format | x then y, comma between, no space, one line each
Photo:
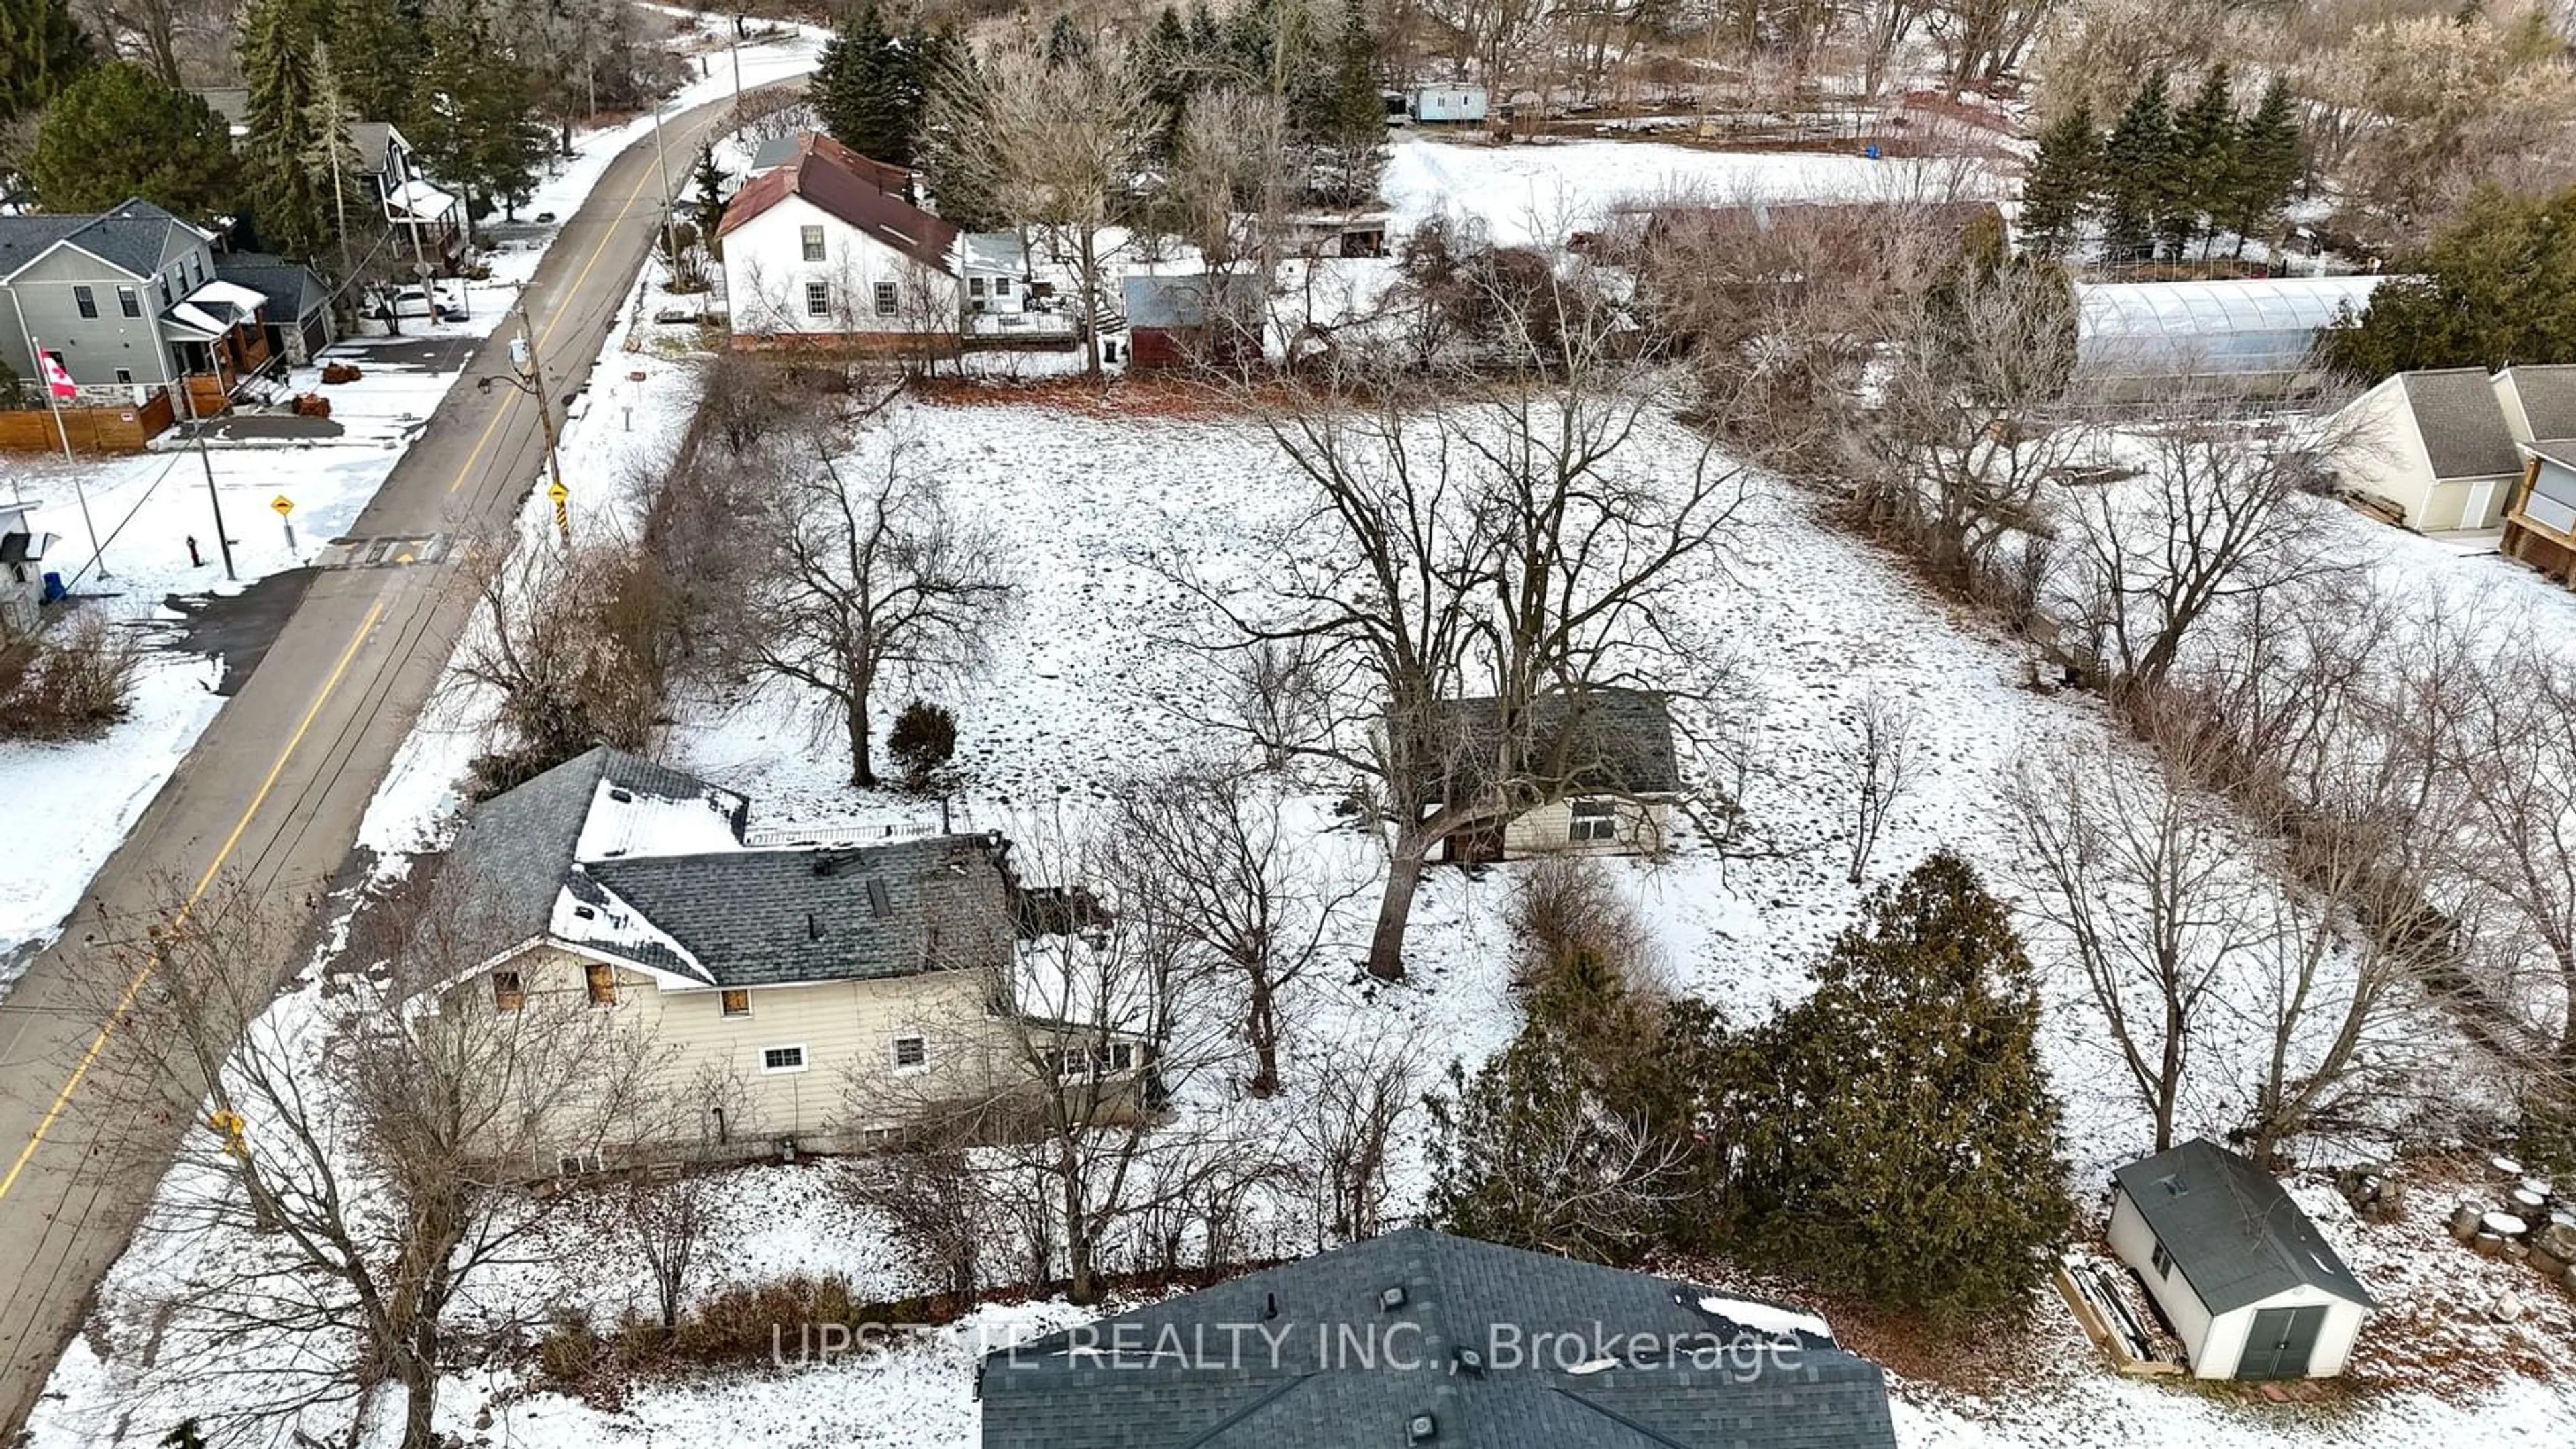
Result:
602,979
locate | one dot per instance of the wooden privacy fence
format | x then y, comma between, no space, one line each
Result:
92,429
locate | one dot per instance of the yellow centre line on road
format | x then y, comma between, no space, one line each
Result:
134,987
330,685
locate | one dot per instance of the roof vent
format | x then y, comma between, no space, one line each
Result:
1421,1429
1467,1361
1392,1298
1269,1306
622,795
586,913
878,906
813,926
2174,1186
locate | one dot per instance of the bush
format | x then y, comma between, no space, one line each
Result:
1572,921
923,739
72,684
569,1349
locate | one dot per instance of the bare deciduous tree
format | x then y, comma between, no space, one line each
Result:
570,643
675,1229
1361,1092
1205,852
874,582
356,1154
1879,758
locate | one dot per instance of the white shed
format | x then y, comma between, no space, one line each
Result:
1450,101
2248,1284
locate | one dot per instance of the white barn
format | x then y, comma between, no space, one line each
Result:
1447,101
825,247
2244,1278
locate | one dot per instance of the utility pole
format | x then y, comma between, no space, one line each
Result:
206,460
523,351
661,179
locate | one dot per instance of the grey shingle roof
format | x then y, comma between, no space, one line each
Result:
2548,393
1604,1375
1187,301
133,235
2461,422
646,885
1615,740
2230,1229
292,288
769,917
517,850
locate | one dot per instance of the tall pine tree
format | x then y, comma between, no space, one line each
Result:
378,48
1908,1146
42,49
2267,165
2138,173
2204,165
290,204
471,116
2058,191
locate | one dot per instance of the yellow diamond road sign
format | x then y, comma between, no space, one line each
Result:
558,493
283,504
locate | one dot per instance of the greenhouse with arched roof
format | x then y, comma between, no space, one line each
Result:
2256,335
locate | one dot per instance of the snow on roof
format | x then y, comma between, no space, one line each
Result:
605,923
197,319
232,294
623,822
420,199
1766,1318
2256,325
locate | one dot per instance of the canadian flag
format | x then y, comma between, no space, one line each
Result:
57,381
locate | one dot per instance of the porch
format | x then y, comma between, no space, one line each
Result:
222,339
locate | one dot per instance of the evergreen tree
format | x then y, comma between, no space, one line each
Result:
2058,191
378,47
858,86
471,117
1351,123
1170,77
2204,164
1207,38
117,132
1065,42
2267,165
42,50
2496,287
708,205
290,204
2137,173
1904,1144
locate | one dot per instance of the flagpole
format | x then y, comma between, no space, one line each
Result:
47,367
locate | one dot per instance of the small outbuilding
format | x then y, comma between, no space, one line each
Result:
1447,102
1600,766
2240,1273
1199,320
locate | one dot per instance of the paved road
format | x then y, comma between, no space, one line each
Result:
274,790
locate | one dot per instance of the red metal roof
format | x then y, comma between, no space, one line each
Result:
853,189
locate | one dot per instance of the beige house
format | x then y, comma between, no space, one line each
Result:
1598,771
789,993
2440,448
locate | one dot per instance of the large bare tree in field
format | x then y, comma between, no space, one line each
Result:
1055,145
353,1165
2220,521
873,581
1523,545
2156,910
2515,759
1204,851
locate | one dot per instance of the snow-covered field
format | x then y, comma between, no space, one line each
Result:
146,508
1088,690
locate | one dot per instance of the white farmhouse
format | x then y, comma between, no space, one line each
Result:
2242,1275
826,248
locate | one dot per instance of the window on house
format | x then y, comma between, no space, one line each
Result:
2163,1261
129,301
86,300
1593,820
812,239
165,291
974,286
196,272
1073,1064
737,1003
603,984
507,993
1001,286
885,299
818,299
125,374
782,1059
911,1051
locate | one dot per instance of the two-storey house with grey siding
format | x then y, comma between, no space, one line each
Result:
127,299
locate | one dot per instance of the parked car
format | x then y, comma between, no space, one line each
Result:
410,303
